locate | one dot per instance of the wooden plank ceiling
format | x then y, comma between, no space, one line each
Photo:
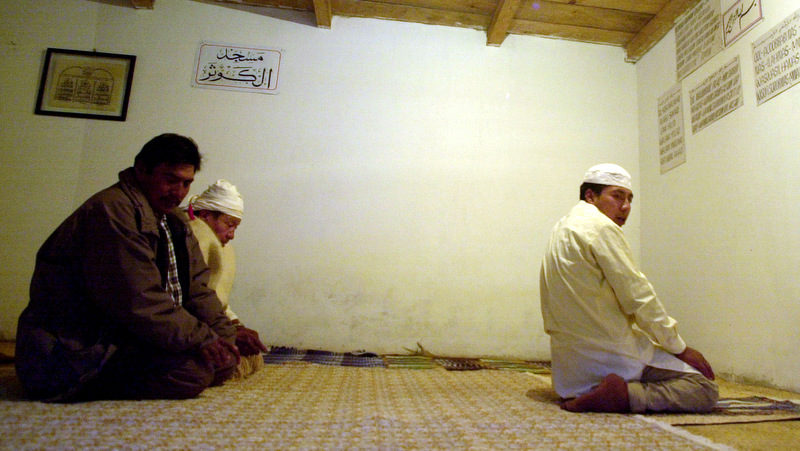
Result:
636,25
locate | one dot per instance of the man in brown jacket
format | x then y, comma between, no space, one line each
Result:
119,304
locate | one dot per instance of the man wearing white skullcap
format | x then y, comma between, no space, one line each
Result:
213,217
613,346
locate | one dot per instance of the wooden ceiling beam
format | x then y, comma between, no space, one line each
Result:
143,4
485,7
582,15
378,10
501,21
571,32
299,5
639,6
656,29
322,9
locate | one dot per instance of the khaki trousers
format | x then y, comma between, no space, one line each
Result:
660,390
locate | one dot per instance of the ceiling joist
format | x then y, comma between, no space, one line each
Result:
635,25
322,10
656,29
142,4
501,21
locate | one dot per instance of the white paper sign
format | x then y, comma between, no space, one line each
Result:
716,96
739,18
237,68
697,37
776,58
671,139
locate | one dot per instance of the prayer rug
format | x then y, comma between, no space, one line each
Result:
729,410
751,409
307,406
278,354
517,365
415,362
454,364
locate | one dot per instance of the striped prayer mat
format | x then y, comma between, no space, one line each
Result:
729,410
749,409
279,354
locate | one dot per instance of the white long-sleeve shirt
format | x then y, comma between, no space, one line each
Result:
601,313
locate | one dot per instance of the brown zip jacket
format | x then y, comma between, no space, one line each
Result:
99,284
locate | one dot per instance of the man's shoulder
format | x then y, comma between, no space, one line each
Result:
584,216
123,203
586,224
112,200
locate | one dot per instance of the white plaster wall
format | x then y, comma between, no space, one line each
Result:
39,155
720,235
399,189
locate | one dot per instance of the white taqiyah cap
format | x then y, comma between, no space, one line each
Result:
608,174
222,196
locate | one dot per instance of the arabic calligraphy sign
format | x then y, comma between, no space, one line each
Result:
739,18
716,96
776,58
671,142
237,68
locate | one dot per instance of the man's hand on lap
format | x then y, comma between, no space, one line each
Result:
247,341
220,354
694,358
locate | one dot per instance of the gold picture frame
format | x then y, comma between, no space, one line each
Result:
90,85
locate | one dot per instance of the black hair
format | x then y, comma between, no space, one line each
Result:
595,187
169,148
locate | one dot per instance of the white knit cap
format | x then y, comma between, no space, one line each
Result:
608,174
222,196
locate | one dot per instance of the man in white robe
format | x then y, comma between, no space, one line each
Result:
213,217
613,346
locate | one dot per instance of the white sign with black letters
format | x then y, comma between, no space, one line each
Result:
698,37
671,139
717,95
776,59
237,68
740,17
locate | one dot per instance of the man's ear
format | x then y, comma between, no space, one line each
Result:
590,196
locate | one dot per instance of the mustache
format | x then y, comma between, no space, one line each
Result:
172,199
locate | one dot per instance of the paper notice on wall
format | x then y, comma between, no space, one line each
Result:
698,37
776,58
237,68
671,138
716,96
739,17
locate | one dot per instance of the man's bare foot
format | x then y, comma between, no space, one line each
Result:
610,396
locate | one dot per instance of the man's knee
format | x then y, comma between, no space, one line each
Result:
705,395
184,381
137,375
222,374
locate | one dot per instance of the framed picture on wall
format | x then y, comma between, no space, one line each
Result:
83,84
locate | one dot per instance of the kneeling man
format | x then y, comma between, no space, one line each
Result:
604,318
214,217
119,303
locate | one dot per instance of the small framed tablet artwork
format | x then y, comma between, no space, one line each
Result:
91,85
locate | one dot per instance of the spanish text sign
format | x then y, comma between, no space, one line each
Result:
237,68
776,57
671,138
717,95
